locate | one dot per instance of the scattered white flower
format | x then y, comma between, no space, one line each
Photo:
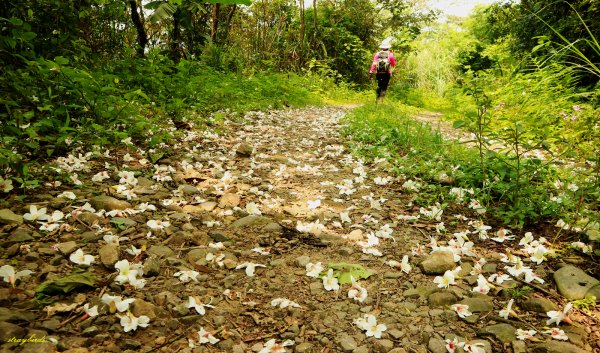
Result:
357,292
502,235
133,251
329,282
314,204
313,270
35,214
131,323
198,305
452,345
404,265
121,305
68,195
284,303
525,334
368,323
250,268
504,313
557,334
10,276
80,258
252,209
262,251
157,225
91,312
483,285
474,347
6,185
446,280
556,317
273,347
187,275
206,337
462,310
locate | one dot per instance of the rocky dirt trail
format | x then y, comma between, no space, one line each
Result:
271,237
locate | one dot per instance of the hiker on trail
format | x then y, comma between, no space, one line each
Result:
382,65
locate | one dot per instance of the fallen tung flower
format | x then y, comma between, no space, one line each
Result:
131,323
313,270
556,317
10,276
250,268
284,303
369,324
329,282
272,347
115,302
198,305
462,310
557,334
80,258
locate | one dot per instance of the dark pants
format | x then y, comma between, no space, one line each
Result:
383,80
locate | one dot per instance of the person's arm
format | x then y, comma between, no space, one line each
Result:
373,63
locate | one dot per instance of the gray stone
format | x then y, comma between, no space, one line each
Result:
20,235
557,347
503,332
151,266
246,221
393,274
196,255
90,331
302,261
9,217
594,291
573,283
436,345
273,227
108,203
50,325
89,218
130,344
161,251
419,292
218,236
109,255
396,334
123,222
67,248
229,200
538,305
398,350
519,346
9,330
478,305
442,299
438,262
207,206
39,347
361,349
383,345
347,343
141,307
190,190
226,345
305,347
244,150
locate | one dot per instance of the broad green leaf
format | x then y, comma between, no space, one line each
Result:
458,124
344,271
230,2
60,60
67,284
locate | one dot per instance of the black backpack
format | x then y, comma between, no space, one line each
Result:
383,62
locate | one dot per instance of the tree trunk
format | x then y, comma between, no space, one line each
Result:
315,19
302,23
176,36
139,26
229,20
215,23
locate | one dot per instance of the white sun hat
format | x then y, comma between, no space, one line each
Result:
385,44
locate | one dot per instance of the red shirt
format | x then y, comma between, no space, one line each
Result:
392,61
